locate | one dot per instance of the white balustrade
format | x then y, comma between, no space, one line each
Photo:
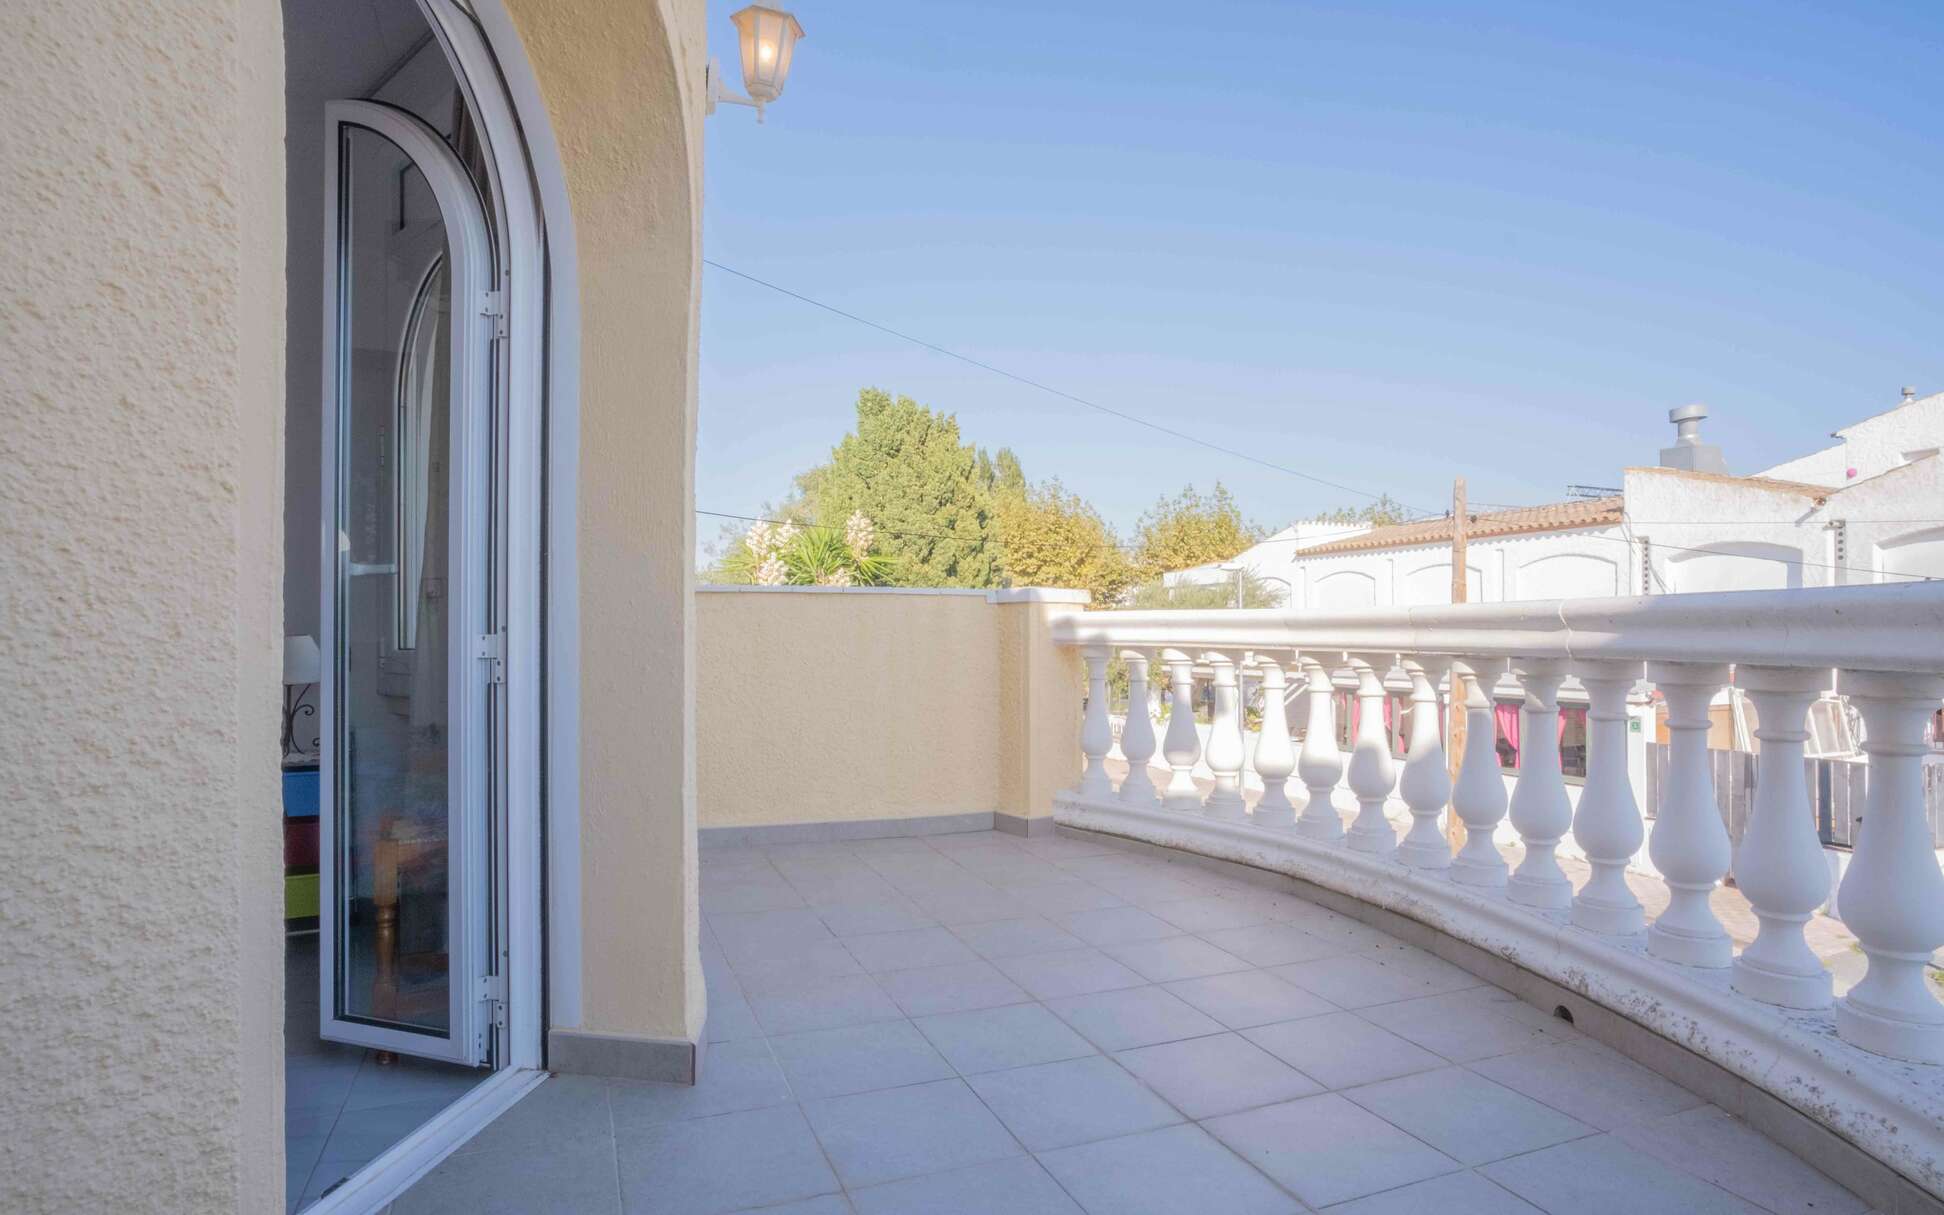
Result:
1097,731
1541,812
1689,844
1137,735
1319,764
1892,894
1478,798
1182,745
1779,863
1425,784
1372,774
1607,823
1225,750
1887,643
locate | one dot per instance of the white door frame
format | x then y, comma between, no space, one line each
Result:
541,366
470,746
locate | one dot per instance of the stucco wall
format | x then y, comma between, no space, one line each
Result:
622,83
840,706
141,299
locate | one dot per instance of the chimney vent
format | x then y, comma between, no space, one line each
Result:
1689,452
1909,394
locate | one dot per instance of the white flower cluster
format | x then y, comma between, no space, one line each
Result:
766,541
859,534
837,577
772,572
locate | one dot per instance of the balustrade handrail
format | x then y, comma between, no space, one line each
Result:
1887,627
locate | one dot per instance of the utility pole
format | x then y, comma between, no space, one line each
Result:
1455,748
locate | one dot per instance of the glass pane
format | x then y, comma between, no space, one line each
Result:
394,645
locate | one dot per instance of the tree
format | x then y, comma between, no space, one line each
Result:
1384,512
785,554
929,494
1256,593
1189,530
1054,538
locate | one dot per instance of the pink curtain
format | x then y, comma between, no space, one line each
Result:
1562,726
1507,718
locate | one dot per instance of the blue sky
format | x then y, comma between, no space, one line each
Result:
1384,243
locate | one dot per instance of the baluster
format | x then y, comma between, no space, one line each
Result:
1225,742
1275,757
1425,784
1372,774
1137,736
1181,746
1892,896
1319,764
1689,845
1607,825
1779,863
1541,812
1097,731
1479,796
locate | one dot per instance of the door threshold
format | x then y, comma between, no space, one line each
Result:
390,1175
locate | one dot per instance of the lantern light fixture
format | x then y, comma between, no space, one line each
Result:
768,38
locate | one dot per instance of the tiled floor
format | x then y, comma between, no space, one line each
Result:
341,1107
980,1023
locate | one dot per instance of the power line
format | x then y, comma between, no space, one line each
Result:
1061,393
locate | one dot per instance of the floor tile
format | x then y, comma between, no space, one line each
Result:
1338,1050
943,989
564,1111
1166,1172
1468,1025
539,1179
730,1162
981,905
1603,1176
826,1004
800,967
1358,980
731,893
849,919
1148,891
908,950
1466,1116
1070,972
1212,913
857,1059
1716,1146
1220,1074
730,1019
1018,1186
1055,1105
1010,938
1117,926
1273,944
1590,1082
1140,1016
1451,1194
993,1038
1059,898
905,1132
407,1079
1249,998
765,936
735,1076
827,1204
1175,958
1325,1150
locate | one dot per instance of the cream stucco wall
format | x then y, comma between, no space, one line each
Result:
141,310
820,706
622,82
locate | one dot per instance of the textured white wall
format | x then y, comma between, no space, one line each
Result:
141,299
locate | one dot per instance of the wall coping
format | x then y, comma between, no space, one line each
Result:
1022,594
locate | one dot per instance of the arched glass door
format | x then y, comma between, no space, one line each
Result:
411,653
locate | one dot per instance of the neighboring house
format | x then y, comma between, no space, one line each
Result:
1867,509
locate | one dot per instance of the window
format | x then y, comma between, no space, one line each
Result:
1508,719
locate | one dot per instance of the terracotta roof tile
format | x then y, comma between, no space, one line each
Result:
1804,488
1551,517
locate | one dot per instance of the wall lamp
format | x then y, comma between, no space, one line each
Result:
768,37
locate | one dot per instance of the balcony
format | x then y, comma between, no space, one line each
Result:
1277,986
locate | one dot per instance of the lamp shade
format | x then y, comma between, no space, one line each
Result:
302,661
768,37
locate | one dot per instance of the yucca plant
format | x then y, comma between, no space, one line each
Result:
792,554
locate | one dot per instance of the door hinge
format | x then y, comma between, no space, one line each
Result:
493,304
491,648
492,993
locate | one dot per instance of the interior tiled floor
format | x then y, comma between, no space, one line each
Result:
980,1023
342,1108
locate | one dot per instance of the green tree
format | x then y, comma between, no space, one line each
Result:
1189,530
929,493
1256,593
1384,512
1054,538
